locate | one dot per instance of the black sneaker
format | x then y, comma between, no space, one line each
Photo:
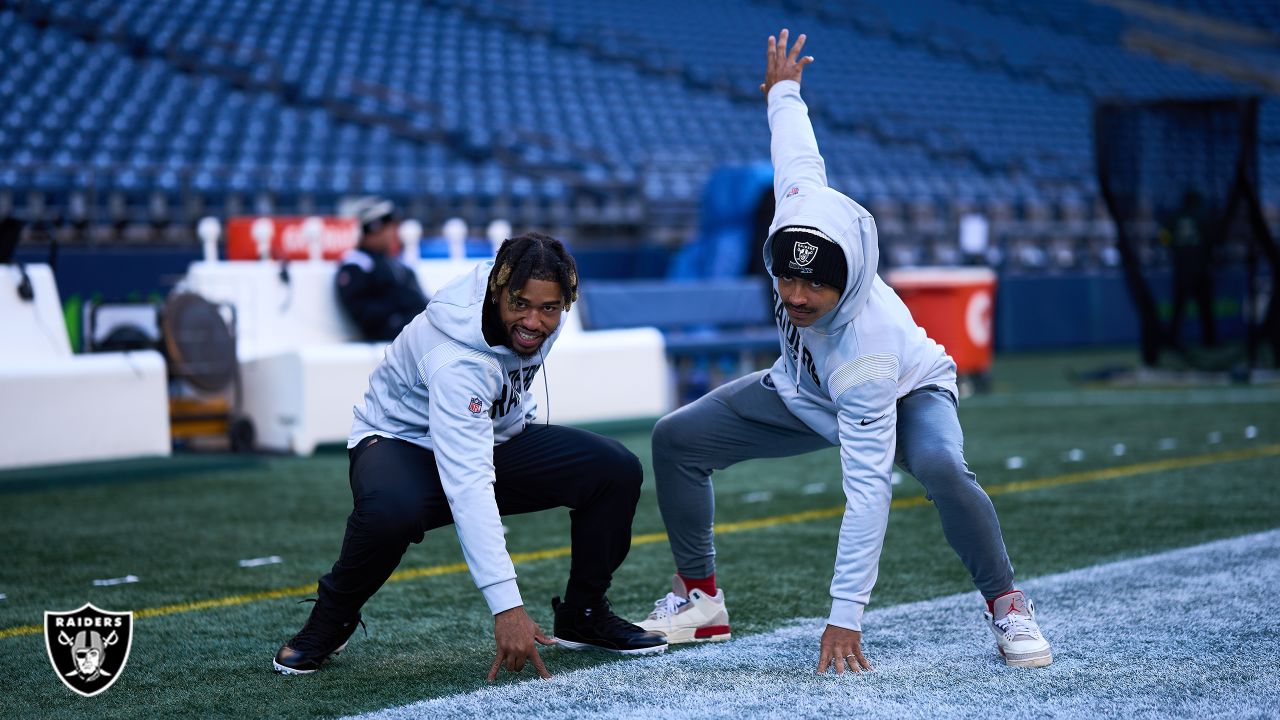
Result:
597,627
319,639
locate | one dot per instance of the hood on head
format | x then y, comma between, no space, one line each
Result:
850,226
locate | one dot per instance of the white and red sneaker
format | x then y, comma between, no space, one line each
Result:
689,615
1012,617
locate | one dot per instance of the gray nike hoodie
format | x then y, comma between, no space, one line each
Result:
441,386
843,375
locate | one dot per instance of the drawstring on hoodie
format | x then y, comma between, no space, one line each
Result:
795,364
546,389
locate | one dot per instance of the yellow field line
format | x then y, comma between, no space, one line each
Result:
1145,468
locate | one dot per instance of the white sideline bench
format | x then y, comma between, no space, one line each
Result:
58,407
302,369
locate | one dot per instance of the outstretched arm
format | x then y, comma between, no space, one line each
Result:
794,148
867,419
783,65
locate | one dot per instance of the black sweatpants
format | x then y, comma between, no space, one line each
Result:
398,497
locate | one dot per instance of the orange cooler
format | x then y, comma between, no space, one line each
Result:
953,305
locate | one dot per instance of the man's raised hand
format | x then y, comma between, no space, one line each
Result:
781,64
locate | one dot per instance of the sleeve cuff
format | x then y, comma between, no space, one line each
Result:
783,86
846,614
502,596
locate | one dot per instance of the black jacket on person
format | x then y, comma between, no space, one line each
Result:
379,293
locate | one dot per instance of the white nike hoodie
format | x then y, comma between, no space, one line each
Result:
843,375
442,387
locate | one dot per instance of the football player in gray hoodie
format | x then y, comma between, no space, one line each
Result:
446,434
855,372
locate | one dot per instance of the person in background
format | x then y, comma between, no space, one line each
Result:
379,293
1189,245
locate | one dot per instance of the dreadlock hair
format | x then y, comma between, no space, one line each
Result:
533,256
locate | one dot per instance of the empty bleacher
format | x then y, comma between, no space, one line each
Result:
125,120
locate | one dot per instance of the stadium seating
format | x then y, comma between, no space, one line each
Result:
569,114
63,408
1258,14
127,120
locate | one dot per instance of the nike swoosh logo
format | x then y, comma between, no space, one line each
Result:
865,423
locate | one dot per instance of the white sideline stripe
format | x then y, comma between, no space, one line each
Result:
1185,633
259,562
1126,398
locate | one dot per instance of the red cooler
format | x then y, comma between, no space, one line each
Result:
953,305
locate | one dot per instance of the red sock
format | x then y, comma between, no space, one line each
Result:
991,604
706,584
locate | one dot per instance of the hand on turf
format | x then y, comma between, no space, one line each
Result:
837,645
514,632
783,65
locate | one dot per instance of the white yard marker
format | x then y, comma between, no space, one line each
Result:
505,529
813,489
895,478
1118,449
259,562
3,596
1075,455
116,581
1250,432
757,496
1215,437
1013,463
1168,443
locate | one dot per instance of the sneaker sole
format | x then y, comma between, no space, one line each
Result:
570,645
286,670
679,636
1029,660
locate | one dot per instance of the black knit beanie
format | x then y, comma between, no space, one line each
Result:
808,254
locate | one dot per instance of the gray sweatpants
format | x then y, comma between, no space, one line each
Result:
746,419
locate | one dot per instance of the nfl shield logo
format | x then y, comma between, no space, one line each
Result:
805,253
476,406
88,647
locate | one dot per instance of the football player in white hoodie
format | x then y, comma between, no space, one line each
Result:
446,436
855,372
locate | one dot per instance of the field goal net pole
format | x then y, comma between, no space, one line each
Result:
1180,180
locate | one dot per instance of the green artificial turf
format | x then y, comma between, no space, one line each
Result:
181,525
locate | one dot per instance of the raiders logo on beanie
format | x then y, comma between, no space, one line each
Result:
807,253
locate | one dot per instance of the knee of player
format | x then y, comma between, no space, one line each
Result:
941,470
670,434
614,471
625,468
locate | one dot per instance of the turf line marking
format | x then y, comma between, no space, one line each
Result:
935,658
518,558
1128,398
